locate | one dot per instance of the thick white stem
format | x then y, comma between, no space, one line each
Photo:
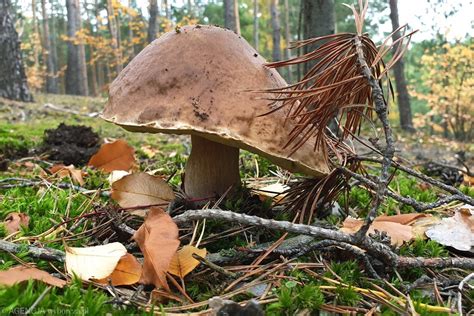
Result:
211,168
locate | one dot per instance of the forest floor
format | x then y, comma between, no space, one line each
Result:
329,280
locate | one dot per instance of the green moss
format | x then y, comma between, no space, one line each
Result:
292,298
73,299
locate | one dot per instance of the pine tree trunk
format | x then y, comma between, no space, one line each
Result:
403,98
51,80
114,33
54,51
318,20
276,30
76,72
255,24
167,10
153,23
130,32
231,15
13,84
287,41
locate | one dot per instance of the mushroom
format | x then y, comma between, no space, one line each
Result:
195,81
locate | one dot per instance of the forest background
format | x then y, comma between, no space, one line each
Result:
78,47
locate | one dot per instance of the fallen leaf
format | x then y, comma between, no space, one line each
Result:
404,219
141,189
468,180
183,261
63,171
21,273
128,271
15,220
96,262
113,156
273,191
158,241
149,151
456,231
398,233
116,175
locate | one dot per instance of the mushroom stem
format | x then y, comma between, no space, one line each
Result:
211,168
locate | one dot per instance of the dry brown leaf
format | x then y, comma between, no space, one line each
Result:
114,156
158,241
404,219
63,171
128,271
398,233
468,180
183,261
456,231
21,273
15,220
141,189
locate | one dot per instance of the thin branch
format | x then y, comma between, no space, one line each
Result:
381,110
49,254
373,248
418,206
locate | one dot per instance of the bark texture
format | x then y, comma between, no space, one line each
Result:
403,98
318,20
276,30
231,15
13,84
76,72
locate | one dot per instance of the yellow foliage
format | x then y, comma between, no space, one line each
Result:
451,96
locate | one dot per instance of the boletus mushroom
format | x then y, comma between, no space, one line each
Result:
196,81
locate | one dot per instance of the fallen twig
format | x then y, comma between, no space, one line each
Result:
373,248
37,252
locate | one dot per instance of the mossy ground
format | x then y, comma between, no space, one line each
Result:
48,206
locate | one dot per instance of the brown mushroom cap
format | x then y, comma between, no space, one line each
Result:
196,82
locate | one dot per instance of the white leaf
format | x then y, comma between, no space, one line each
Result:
94,262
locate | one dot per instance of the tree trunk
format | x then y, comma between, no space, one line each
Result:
318,20
51,79
153,23
113,29
403,97
276,30
130,32
92,70
231,15
13,84
76,72
287,40
255,24
54,51
167,10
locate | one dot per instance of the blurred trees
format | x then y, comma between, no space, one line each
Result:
450,94
79,46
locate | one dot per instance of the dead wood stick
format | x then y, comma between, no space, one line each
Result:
418,206
388,152
427,179
49,254
373,248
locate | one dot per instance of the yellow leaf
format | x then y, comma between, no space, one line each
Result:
183,262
